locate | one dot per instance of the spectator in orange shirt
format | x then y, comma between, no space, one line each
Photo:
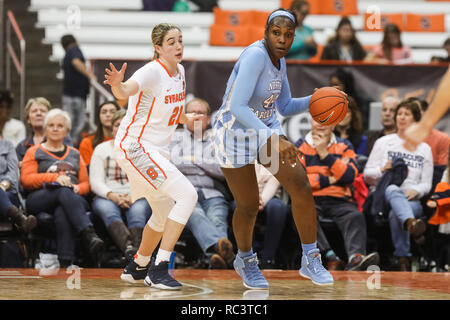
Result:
55,179
103,121
438,141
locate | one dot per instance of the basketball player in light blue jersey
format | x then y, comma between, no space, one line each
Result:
247,130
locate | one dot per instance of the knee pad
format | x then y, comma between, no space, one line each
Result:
185,196
160,211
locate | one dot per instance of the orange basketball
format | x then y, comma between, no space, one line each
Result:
328,106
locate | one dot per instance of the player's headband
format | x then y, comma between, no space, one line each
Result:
281,13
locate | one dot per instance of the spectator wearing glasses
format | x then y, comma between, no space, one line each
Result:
208,222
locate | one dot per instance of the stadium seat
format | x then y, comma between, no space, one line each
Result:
87,4
233,18
240,36
425,22
107,30
339,7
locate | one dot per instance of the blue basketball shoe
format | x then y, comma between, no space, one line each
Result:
134,273
248,269
158,276
313,269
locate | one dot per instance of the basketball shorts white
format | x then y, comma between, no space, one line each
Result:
152,176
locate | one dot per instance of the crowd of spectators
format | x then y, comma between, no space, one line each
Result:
46,166
88,196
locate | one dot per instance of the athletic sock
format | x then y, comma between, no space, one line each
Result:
245,254
141,260
307,247
162,255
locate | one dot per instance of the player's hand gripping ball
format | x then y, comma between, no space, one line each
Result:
328,106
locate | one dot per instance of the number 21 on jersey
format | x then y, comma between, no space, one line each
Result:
175,117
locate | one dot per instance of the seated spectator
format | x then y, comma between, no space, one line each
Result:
438,141
345,82
344,45
412,183
350,128
103,121
56,178
272,214
446,46
303,47
330,164
208,222
391,50
112,190
440,200
12,129
9,187
388,107
35,111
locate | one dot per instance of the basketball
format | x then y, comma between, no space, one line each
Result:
328,106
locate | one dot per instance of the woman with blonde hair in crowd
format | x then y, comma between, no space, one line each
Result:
35,112
56,181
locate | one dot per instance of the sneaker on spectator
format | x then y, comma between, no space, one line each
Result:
158,276
334,263
248,269
217,262
225,250
362,262
134,273
313,269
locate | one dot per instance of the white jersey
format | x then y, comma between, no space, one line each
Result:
154,112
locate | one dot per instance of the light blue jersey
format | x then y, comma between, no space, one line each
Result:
247,117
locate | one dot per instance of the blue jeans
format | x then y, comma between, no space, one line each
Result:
137,215
7,200
208,221
275,213
401,210
76,107
70,212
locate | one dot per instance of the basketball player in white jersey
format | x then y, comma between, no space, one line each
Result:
156,94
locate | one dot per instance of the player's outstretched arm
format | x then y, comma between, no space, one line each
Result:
120,89
419,132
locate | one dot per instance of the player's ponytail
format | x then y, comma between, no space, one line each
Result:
158,34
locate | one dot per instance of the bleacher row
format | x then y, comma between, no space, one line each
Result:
114,29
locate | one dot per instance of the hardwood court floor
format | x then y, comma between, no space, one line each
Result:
105,284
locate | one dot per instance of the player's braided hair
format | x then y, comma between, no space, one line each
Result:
158,34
